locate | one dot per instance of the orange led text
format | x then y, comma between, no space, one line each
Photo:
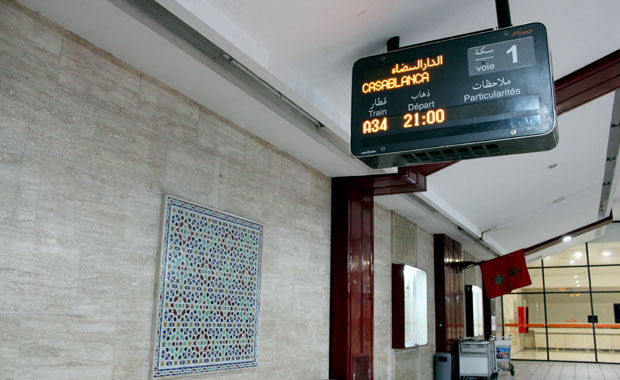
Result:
374,125
392,83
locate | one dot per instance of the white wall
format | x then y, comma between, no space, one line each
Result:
88,146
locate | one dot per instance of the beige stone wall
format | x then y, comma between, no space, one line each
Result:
425,260
382,345
415,246
88,146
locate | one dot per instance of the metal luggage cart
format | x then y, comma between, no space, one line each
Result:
502,351
477,358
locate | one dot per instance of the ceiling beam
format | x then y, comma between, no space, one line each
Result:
588,83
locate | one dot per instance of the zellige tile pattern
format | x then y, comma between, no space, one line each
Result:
209,291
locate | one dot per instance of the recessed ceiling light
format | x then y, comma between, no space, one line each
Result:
575,276
567,238
578,285
606,253
572,262
576,282
578,254
548,258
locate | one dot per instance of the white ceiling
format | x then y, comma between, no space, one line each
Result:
306,49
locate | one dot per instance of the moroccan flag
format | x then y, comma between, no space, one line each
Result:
505,273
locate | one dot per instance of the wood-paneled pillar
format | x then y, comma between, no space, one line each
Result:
449,298
351,304
351,327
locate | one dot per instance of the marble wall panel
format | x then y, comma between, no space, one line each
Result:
88,145
12,126
414,246
299,178
425,260
98,78
25,207
382,338
278,206
41,123
10,168
65,347
28,46
404,235
167,113
321,190
312,221
9,345
263,159
318,270
130,332
406,364
26,279
217,133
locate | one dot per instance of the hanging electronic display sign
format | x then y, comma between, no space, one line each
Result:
484,94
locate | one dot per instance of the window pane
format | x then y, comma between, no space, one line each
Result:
537,285
604,253
607,310
478,313
524,319
534,264
415,307
605,278
566,279
570,257
570,334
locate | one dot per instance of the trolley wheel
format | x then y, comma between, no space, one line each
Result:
495,376
512,369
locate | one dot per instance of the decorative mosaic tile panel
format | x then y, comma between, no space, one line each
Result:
209,285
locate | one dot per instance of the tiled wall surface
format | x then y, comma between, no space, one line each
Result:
415,246
87,148
382,344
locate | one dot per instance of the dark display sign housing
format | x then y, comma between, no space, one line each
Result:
485,94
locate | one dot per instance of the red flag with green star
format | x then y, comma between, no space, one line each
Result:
505,273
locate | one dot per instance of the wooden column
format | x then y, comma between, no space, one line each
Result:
486,313
449,298
351,304
351,329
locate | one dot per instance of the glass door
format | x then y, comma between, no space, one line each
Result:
604,260
571,312
571,335
607,318
524,320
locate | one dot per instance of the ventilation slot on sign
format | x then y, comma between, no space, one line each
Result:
451,154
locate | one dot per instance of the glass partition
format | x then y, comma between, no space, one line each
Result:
571,257
415,307
476,293
570,334
604,253
567,279
571,311
524,319
607,318
537,283
534,264
605,278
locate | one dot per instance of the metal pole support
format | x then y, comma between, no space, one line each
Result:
502,8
